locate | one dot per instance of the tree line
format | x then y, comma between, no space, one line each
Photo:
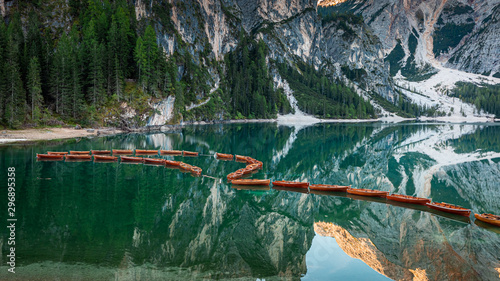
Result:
248,85
319,96
484,97
72,72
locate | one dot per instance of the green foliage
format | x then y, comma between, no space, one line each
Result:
394,59
146,55
317,95
212,110
343,21
356,74
15,95
459,9
484,97
405,108
35,89
414,73
449,36
248,85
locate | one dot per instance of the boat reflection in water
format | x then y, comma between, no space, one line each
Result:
114,221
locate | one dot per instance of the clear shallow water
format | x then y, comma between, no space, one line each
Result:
102,221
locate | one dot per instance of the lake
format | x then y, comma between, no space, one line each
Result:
117,221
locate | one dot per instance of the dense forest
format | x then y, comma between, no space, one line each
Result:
249,86
81,70
484,97
319,96
49,76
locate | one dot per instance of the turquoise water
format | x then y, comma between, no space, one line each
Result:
102,221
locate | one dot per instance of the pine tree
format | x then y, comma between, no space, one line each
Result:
94,53
146,55
15,99
75,68
3,48
34,85
61,75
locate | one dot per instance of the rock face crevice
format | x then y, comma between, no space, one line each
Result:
293,30
465,31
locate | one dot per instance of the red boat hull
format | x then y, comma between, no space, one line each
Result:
328,187
449,208
50,156
170,152
488,218
293,184
78,157
408,199
367,192
153,161
123,152
250,182
147,152
132,159
105,158
100,152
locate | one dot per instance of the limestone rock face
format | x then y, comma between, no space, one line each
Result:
459,34
164,112
432,34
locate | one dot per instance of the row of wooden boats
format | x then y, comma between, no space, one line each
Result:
125,159
252,165
440,206
126,152
235,178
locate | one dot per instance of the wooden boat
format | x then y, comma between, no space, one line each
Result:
251,187
172,163
250,160
56,153
122,151
170,152
240,158
78,156
105,158
100,152
185,166
148,152
190,153
252,167
79,152
154,161
224,156
294,184
132,159
196,170
449,208
367,192
329,187
488,218
408,199
234,175
250,182
50,156
291,189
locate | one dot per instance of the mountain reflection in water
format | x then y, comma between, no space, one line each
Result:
113,221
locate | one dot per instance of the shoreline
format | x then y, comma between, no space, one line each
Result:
27,135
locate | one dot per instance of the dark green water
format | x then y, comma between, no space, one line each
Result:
113,221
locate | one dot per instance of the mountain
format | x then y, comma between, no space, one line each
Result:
217,59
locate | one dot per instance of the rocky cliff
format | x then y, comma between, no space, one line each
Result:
415,38
435,32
